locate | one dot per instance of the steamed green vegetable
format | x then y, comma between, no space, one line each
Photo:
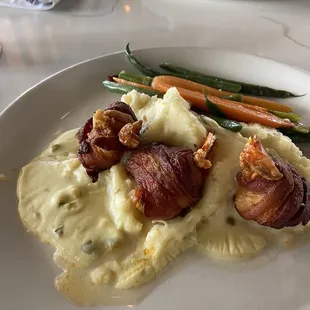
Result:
246,88
124,89
227,123
213,108
192,84
291,116
301,128
203,79
300,133
259,90
140,79
236,97
231,87
222,121
138,65
297,137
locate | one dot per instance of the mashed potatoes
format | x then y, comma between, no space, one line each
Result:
103,242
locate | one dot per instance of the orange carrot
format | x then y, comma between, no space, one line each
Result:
186,84
162,88
239,112
233,110
121,81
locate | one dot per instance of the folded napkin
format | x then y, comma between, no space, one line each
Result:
30,4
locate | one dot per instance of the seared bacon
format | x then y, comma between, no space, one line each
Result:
271,191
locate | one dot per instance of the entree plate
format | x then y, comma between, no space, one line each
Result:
64,101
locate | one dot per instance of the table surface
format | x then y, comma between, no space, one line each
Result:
38,44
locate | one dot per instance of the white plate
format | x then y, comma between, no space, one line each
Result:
65,101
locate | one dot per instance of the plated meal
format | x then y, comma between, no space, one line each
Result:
182,160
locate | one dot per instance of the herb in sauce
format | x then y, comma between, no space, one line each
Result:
204,220
88,247
63,199
61,202
144,130
231,221
59,230
55,147
37,215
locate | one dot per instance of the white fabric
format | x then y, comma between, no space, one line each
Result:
30,4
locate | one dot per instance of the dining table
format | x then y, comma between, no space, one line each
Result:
36,44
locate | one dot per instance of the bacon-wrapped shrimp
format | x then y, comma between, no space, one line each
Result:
169,179
106,136
270,190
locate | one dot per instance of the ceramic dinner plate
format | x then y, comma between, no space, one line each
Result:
65,101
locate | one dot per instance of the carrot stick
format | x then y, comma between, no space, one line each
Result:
175,81
121,81
233,110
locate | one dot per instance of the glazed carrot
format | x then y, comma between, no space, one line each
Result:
186,84
267,104
233,110
121,81
239,112
163,87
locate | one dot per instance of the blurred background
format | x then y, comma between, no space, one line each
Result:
36,43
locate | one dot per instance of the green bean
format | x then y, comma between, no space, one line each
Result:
226,123
124,89
301,128
180,70
246,88
201,79
198,79
291,116
233,88
221,120
208,80
138,65
214,109
297,137
235,97
147,80
140,79
259,90
300,133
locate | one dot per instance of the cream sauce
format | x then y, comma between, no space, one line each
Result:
104,245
